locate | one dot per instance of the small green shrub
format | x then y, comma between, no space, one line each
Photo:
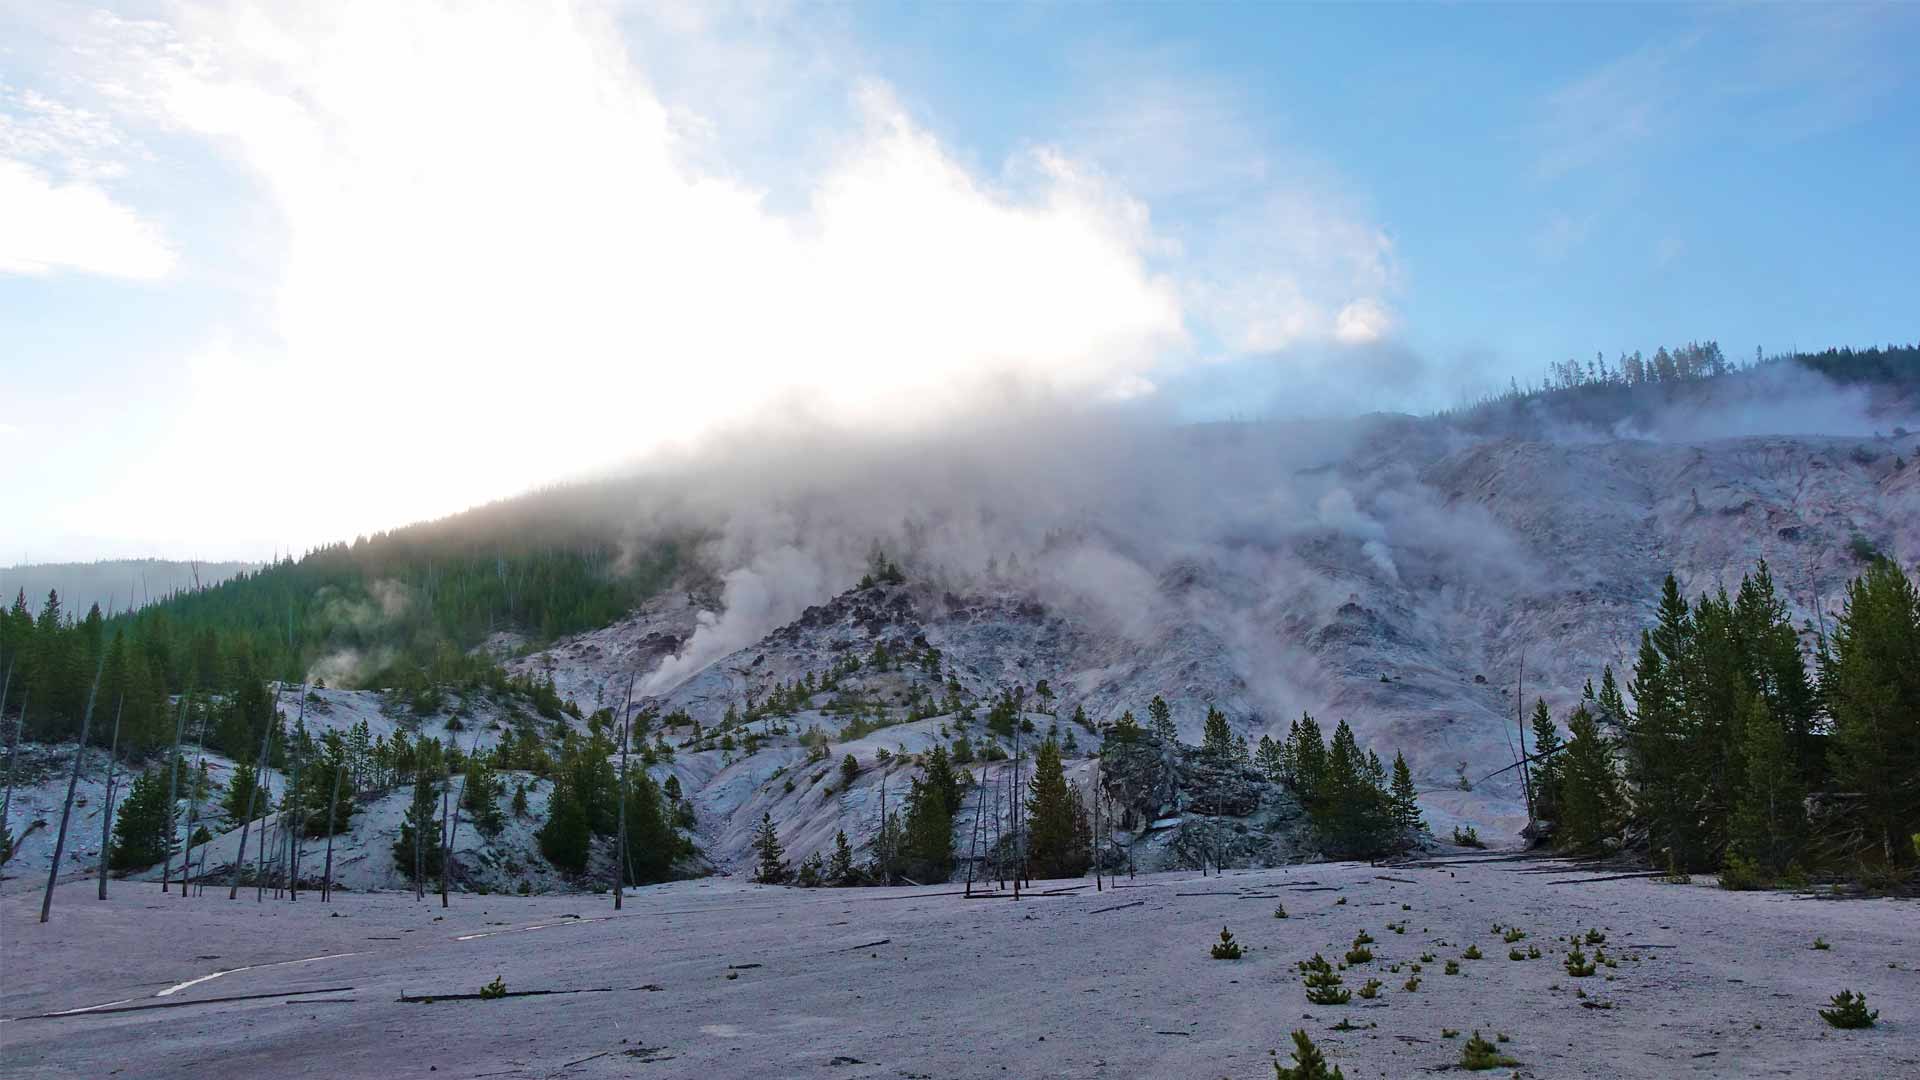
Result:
1449,1033
1467,837
1359,954
1472,953
1513,935
494,989
1516,954
1226,948
1595,937
1821,944
1372,989
1849,1011
1411,984
1279,911
1453,967
1363,938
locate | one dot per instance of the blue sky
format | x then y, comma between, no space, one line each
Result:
387,260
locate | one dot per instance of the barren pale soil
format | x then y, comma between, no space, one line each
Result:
718,978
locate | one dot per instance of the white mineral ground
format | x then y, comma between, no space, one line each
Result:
719,978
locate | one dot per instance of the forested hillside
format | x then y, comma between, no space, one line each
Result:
1634,393
403,610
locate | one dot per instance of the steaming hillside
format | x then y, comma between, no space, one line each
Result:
1406,608
1402,575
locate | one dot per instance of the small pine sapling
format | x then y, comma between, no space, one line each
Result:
1363,938
1340,902
1412,984
1821,944
1578,965
1533,952
1514,934
1426,958
494,989
1226,948
1849,1011
1308,1062
1479,1054
1595,937
1516,954
1372,989
1453,967
1449,1033
1279,911
1359,954
1323,983
1472,953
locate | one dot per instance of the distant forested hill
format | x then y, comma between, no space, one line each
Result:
1645,393
116,585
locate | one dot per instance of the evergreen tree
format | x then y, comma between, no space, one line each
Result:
771,867
1270,760
1218,738
1307,754
1160,717
1870,679
520,799
242,798
1769,820
422,818
1057,827
1405,802
1590,805
840,869
653,846
1547,766
143,824
1125,729
566,838
480,795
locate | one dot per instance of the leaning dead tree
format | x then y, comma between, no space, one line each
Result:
73,781
106,811
979,812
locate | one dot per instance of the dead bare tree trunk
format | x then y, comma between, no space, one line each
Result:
290,805
173,785
73,781
446,818
259,777
620,862
1013,807
1520,721
193,804
1097,887
106,812
326,877
13,758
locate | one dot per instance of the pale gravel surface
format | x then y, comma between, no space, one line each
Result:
1048,987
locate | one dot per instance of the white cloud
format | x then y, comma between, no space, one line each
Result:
48,226
503,261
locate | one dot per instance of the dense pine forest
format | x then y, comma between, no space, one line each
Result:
1742,754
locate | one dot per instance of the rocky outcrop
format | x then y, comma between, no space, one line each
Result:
1178,806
